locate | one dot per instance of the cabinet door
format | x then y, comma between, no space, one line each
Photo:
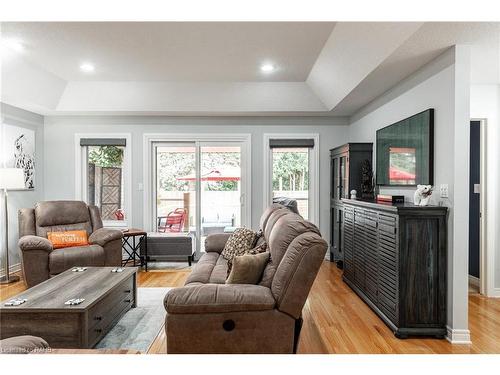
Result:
347,239
371,255
343,185
359,249
335,179
388,266
337,217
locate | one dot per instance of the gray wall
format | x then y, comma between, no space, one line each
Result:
434,86
18,199
60,149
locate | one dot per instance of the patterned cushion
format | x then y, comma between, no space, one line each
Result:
254,251
241,240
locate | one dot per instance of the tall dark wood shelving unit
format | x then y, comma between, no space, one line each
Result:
345,175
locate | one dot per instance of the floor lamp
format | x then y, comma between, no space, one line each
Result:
10,179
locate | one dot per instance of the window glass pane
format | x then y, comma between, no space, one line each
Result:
291,176
176,189
105,181
220,190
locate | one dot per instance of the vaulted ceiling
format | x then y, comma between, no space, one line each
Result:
196,68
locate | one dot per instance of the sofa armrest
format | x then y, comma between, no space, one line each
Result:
104,235
216,242
218,298
30,243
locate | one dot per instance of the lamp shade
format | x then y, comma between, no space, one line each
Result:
11,178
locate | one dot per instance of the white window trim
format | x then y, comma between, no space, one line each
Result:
313,171
147,148
80,179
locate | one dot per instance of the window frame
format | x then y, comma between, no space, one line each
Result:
313,171
81,177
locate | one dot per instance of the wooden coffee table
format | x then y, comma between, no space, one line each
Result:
108,295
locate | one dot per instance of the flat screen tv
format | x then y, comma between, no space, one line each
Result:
405,151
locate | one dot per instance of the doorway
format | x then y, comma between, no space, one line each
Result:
198,187
477,267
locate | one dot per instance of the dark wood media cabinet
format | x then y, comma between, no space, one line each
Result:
395,259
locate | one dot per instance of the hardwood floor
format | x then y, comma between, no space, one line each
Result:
337,321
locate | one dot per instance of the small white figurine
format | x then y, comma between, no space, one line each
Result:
422,195
353,194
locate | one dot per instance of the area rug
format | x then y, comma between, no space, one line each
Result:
138,328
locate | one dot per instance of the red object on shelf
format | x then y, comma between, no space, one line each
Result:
174,221
119,215
396,174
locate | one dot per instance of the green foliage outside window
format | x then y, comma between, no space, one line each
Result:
106,156
290,171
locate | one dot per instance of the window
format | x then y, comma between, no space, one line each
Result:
291,176
291,171
103,172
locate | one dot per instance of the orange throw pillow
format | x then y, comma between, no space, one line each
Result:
68,239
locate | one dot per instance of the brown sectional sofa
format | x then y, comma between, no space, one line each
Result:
209,316
40,261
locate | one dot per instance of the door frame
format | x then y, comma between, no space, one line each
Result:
486,260
313,171
246,168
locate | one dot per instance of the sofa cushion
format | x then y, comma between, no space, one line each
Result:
240,241
247,269
59,216
210,268
214,298
284,231
85,256
22,345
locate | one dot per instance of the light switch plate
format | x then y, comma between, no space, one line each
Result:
443,190
140,187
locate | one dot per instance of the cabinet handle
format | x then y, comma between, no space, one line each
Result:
98,330
127,291
128,300
97,317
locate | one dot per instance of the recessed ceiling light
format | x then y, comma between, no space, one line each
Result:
267,68
87,67
14,44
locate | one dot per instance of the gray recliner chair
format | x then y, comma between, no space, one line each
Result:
209,316
40,261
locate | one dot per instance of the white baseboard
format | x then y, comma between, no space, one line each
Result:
474,281
496,293
13,268
458,336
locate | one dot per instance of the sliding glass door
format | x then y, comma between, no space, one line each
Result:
220,188
198,188
175,188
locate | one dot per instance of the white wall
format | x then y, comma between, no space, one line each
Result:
19,199
485,104
60,144
443,85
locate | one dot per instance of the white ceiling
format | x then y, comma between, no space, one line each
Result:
331,69
173,51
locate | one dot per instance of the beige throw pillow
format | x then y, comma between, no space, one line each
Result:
247,269
256,250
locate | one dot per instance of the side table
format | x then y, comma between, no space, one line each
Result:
132,241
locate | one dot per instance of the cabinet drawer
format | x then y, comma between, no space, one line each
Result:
102,327
98,313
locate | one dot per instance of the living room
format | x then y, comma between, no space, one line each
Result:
266,187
